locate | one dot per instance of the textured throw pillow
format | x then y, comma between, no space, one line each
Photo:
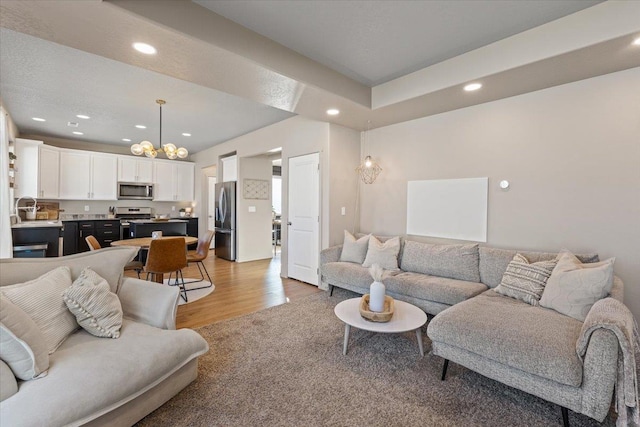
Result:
22,345
97,309
354,250
574,287
384,254
525,281
453,261
41,299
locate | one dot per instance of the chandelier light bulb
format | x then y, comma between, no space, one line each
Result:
368,162
137,149
151,153
172,155
182,153
146,145
169,148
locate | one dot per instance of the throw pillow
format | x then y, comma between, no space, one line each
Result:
97,309
574,287
41,299
22,345
453,261
354,250
384,254
525,281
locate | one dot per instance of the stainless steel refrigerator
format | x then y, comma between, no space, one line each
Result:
226,220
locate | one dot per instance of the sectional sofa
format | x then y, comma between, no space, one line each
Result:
530,348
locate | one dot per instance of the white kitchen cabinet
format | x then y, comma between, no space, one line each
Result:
174,181
37,169
48,172
88,176
131,169
229,168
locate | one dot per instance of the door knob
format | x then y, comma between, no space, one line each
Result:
289,223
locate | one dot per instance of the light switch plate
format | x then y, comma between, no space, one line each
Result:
343,211
252,208
86,208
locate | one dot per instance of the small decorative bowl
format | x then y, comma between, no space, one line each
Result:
374,316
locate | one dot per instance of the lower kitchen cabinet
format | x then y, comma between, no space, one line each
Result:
75,233
37,235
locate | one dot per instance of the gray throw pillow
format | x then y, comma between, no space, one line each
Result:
453,261
525,281
22,345
574,287
97,309
354,250
384,254
41,299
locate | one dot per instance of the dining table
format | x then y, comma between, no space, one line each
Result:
144,243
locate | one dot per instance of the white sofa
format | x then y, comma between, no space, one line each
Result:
102,381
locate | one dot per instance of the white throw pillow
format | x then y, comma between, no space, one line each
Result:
22,345
384,254
97,309
41,299
354,250
574,287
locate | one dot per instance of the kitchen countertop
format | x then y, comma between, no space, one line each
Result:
37,224
150,221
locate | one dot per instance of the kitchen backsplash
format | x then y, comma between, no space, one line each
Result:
102,207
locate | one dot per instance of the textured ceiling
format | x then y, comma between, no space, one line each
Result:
39,78
376,41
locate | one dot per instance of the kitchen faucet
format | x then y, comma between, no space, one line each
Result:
24,208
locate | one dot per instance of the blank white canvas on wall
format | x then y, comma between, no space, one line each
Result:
448,208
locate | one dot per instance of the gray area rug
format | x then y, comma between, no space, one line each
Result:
284,367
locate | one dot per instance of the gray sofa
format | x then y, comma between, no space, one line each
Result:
526,347
102,381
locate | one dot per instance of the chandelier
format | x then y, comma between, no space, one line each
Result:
369,169
170,150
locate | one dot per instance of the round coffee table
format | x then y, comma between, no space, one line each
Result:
406,317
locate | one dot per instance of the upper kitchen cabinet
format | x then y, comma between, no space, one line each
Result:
37,169
174,181
85,175
131,169
229,168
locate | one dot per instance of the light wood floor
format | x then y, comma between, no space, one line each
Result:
241,288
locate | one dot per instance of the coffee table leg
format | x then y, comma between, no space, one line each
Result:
347,328
419,335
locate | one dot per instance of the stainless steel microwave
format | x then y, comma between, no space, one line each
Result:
135,191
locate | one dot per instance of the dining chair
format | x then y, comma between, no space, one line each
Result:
200,254
168,255
94,245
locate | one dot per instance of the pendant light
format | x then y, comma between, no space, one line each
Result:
369,169
170,150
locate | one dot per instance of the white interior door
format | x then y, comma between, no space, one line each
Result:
211,208
304,218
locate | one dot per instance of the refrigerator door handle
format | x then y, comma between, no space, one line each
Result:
223,204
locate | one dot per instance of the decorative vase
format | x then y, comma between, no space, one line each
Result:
376,297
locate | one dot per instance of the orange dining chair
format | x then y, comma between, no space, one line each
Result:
94,245
199,255
168,255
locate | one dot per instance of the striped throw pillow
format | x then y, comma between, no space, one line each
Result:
97,309
41,299
525,281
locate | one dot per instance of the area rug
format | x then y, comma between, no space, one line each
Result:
196,294
284,367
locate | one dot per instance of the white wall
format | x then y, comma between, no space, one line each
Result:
571,153
254,228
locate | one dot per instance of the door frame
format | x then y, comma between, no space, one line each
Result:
211,197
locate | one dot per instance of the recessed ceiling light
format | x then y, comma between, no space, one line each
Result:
38,119
82,116
637,41
145,48
78,133
141,126
72,124
126,139
333,111
275,150
186,134
472,86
